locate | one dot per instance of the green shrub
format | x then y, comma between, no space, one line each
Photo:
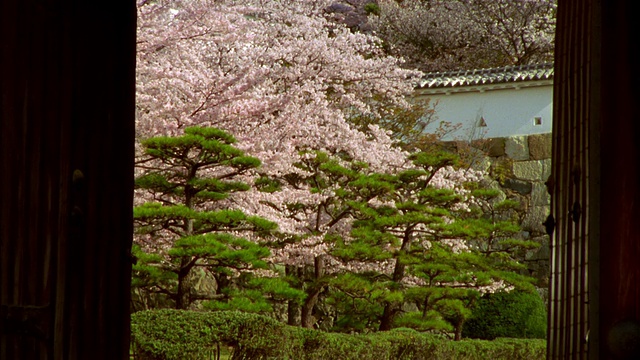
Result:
372,8
179,334
515,314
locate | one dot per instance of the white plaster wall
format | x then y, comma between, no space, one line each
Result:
507,112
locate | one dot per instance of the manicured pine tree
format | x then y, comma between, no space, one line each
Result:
181,227
441,248
388,230
324,214
483,259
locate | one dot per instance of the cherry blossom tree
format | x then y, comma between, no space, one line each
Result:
282,79
466,34
277,75
310,100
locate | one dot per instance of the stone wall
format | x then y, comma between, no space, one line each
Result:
519,167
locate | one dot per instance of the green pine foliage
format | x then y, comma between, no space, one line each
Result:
336,178
402,220
357,299
516,314
186,176
432,286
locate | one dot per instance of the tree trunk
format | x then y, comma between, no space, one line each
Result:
182,295
182,292
293,309
387,317
312,294
390,309
306,317
458,335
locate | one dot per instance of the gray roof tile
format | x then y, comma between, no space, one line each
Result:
476,77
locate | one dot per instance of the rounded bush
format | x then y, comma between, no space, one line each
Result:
515,314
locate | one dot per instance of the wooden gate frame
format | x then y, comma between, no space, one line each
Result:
595,183
67,98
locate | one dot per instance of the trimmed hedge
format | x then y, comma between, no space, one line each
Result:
515,314
178,334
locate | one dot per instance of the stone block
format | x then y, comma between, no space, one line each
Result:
496,147
534,218
517,148
481,164
540,146
494,185
519,186
544,252
501,168
546,169
528,170
450,146
541,253
539,194
475,158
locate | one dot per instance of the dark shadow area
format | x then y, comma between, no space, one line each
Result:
67,71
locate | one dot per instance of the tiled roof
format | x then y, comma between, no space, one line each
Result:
477,77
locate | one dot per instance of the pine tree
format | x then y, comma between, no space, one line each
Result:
437,246
181,227
322,215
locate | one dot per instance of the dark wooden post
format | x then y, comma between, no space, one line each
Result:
569,183
595,186
67,75
617,276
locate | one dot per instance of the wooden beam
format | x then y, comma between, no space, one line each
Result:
66,143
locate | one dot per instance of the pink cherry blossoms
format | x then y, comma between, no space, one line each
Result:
277,76
280,78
